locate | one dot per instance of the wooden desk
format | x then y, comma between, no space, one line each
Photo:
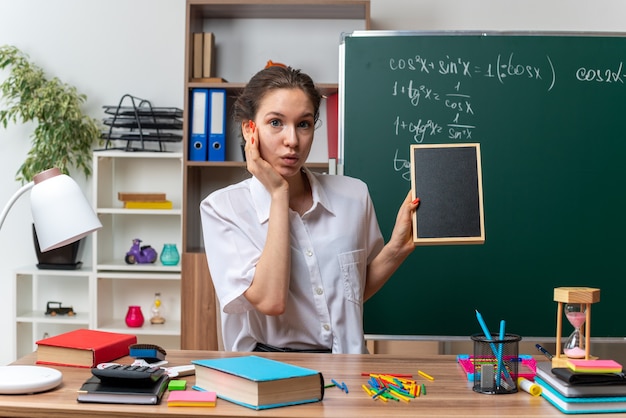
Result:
448,396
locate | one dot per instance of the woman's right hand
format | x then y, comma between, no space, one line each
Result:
255,163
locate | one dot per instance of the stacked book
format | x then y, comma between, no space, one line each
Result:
581,387
203,58
145,200
258,382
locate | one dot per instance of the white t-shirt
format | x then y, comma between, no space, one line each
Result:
331,246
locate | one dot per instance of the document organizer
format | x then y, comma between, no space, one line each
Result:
448,180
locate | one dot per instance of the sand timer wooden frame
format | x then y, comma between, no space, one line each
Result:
573,295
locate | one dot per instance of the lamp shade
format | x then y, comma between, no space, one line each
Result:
61,213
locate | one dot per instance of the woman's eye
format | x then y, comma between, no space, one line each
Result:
304,124
275,123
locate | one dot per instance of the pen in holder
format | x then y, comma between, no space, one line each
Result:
487,363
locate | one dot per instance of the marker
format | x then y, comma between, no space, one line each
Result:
544,352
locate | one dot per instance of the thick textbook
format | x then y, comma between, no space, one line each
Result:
259,383
544,371
83,348
94,391
581,405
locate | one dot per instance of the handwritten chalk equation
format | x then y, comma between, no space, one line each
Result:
600,75
402,166
504,67
415,94
458,104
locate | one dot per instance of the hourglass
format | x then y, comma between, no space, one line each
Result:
577,303
575,345
156,310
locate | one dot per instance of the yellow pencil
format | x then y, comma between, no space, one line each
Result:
427,376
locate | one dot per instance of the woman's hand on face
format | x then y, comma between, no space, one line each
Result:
255,163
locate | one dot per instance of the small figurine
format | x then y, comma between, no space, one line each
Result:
141,254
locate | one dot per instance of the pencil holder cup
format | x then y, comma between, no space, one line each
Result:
495,364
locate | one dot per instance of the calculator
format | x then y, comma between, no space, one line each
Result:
128,375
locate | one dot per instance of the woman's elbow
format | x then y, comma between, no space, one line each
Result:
271,308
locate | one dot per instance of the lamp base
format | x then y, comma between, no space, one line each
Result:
63,258
73,266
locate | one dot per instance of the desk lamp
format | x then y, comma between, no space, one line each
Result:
577,304
61,215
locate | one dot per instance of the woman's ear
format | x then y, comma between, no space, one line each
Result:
246,129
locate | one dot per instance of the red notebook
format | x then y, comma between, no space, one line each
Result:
83,348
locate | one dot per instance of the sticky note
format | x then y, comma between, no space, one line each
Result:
177,385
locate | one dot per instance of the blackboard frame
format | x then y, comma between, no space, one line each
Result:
448,180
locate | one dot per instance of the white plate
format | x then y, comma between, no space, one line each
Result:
19,379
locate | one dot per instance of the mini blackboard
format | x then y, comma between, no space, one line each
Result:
447,178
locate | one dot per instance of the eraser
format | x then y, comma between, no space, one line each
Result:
177,385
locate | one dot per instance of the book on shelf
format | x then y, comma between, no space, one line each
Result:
125,196
203,56
83,348
208,61
580,405
197,52
258,382
559,378
94,391
191,398
148,204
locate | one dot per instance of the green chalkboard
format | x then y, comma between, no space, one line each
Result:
548,111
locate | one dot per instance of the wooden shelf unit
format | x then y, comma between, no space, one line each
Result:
303,34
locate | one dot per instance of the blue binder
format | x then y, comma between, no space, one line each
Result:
198,140
217,125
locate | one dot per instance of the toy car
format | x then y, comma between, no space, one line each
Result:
55,308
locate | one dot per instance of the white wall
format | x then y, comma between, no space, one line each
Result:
107,48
